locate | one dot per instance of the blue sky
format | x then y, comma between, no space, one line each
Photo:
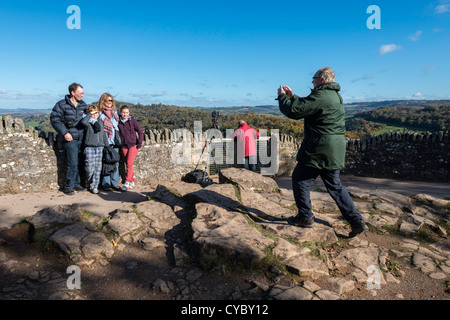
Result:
221,53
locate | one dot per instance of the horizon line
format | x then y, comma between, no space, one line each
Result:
239,106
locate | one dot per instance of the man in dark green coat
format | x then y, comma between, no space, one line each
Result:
323,148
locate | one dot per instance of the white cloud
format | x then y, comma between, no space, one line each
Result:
442,8
147,96
415,36
428,69
20,95
418,94
159,94
387,48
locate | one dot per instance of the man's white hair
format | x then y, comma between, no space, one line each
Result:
327,74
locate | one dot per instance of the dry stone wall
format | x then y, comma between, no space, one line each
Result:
35,161
401,155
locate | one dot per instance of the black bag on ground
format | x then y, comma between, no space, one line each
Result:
196,176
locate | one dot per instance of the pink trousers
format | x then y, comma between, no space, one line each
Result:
129,155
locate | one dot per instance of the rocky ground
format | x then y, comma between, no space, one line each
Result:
230,241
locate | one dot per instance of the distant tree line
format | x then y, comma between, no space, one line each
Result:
435,118
362,125
159,116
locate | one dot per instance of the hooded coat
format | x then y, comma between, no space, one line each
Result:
246,143
324,145
128,131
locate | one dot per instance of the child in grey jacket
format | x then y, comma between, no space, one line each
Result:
95,140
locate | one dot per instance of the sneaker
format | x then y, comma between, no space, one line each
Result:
95,191
125,186
107,188
132,185
69,191
301,222
357,228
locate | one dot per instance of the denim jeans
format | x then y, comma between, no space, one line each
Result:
112,180
250,163
73,153
302,179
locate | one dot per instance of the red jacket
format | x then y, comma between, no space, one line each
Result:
246,137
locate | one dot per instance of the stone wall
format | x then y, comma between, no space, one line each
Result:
401,155
287,154
35,161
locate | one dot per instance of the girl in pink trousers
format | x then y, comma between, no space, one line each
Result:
131,143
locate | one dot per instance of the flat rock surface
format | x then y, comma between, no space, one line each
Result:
180,241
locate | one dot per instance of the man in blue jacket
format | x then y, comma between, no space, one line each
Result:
65,119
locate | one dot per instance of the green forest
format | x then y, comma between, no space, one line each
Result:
421,119
359,125
159,116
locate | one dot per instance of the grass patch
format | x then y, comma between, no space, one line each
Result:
444,225
292,207
136,212
86,215
392,229
394,267
237,192
425,235
423,202
374,212
271,260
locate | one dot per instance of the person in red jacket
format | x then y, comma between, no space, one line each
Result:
128,127
246,145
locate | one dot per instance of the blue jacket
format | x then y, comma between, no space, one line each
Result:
65,118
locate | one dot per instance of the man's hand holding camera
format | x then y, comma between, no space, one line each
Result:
286,90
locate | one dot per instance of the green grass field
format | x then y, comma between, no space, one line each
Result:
33,124
395,128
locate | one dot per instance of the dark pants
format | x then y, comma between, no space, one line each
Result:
302,179
250,163
73,150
